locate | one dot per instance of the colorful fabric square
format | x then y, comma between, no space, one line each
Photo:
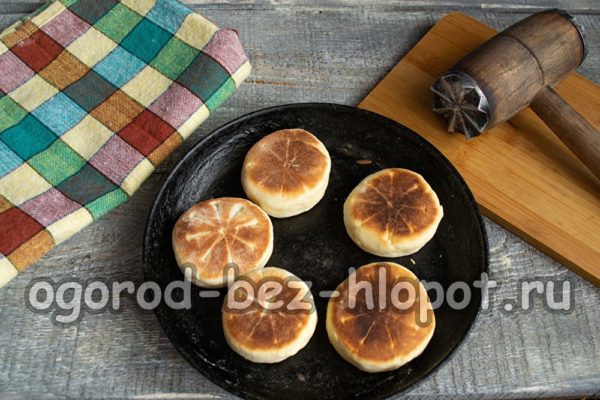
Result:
93,96
118,22
119,67
137,43
19,72
90,90
65,27
59,114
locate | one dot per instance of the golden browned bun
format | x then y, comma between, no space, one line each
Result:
388,331
286,172
392,213
216,233
268,329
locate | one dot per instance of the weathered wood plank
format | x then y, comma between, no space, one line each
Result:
333,50
581,6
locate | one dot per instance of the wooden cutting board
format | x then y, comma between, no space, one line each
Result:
522,176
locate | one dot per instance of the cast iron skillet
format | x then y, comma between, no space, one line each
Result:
315,246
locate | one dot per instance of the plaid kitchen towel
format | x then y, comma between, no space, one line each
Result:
94,94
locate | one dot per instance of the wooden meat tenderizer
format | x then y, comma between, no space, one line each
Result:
518,68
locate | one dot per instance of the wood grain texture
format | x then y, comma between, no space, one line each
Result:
574,130
301,51
520,173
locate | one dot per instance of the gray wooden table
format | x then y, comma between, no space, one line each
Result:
305,50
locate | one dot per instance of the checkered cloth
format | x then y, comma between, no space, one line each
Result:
94,94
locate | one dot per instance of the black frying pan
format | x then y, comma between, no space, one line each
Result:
315,246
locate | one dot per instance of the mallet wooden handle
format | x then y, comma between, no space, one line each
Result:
577,133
